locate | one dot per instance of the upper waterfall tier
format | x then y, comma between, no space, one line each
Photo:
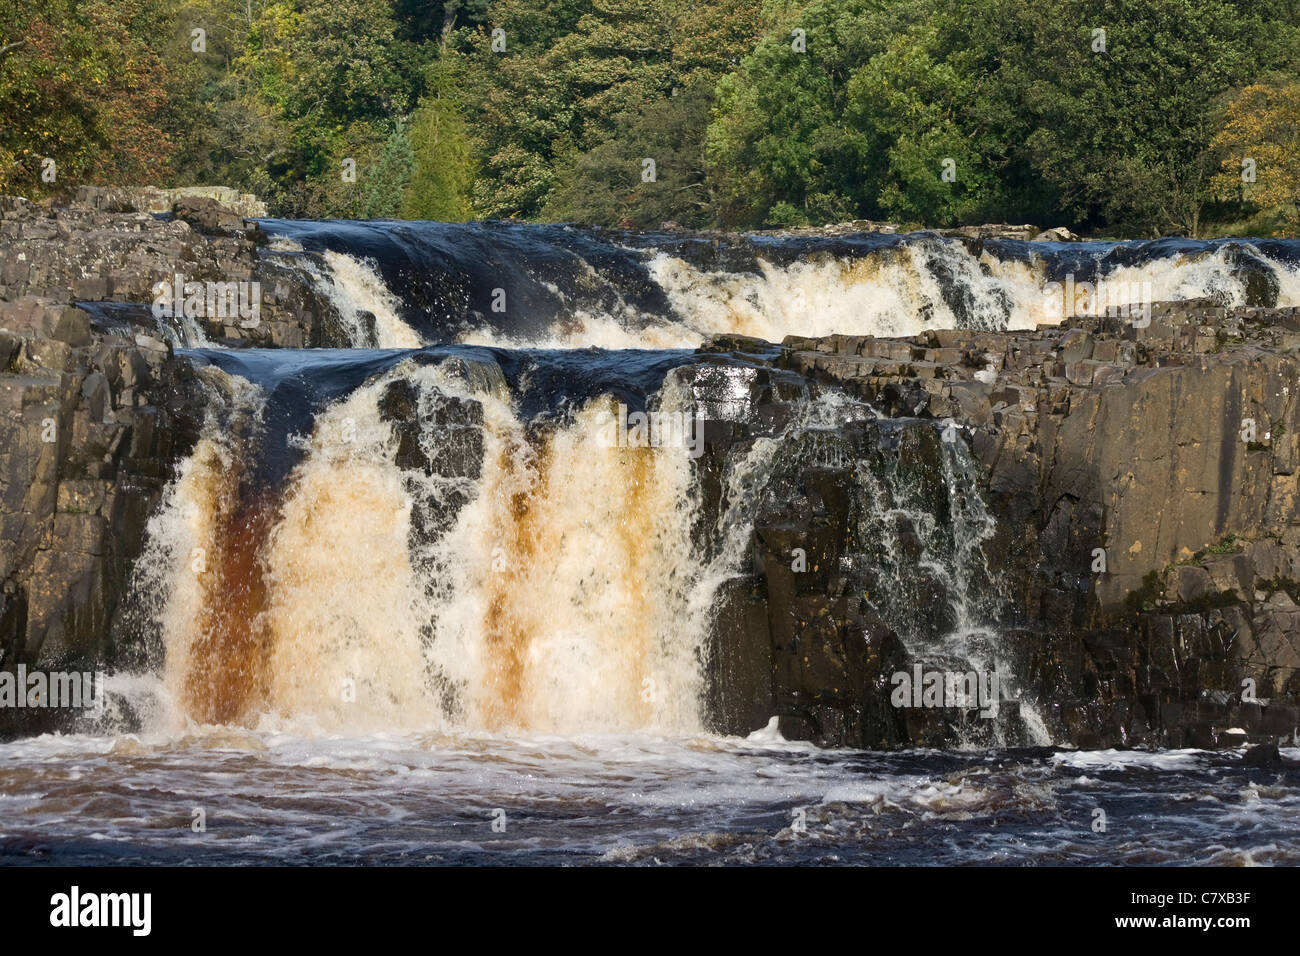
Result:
401,284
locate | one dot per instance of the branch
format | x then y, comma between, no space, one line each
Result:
10,47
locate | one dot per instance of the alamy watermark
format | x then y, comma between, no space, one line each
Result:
62,690
131,911
1130,300
652,430
240,300
923,688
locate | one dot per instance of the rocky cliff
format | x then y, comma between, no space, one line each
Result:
1123,505
1143,482
95,409
111,246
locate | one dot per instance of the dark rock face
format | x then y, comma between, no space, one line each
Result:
1144,484
857,553
1263,755
90,426
102,250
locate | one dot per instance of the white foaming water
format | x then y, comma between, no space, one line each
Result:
564,595
888,293
341,612
925,282
892,292
921,559
585,329
552,585
432,797
622,328
562,592
355,287
899,292
171,584
189,333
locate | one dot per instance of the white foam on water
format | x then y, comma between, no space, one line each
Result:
1126,759
769,733
563,587
355,286
624,797
586,329
894,292
565,595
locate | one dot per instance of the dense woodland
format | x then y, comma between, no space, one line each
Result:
1115,117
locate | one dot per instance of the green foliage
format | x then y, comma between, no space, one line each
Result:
383,193
80,85
440,156
914,104
779,135
1041,126
583,77
608,185
1148,596
1034,118
1123,135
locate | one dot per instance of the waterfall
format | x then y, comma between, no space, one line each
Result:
443,536
542,580
434,557
518,286
924,533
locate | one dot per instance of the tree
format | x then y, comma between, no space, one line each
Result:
779,135
522,100
1261,137
1089,110
612,185
1122,131
80,85
916,103
440,152
577,78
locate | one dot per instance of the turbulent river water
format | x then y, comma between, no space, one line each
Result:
405,604
280,797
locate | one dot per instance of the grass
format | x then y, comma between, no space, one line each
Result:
1265,223
1228,544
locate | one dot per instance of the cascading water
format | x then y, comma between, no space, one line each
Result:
435,559
923,531
444,540
521,286
411,587
474,571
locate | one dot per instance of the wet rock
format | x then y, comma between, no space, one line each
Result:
1057,234
91,427
13,622
740,692
1263,755
1146,501
1261,281
111,247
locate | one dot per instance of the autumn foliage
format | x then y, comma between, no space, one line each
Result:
85,89
1262,131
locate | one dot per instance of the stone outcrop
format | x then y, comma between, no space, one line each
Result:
106,249
155,200
90,426
1144,483
1026,232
